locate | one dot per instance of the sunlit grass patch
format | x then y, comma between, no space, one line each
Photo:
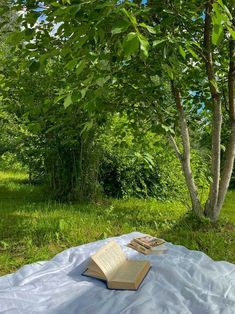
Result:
33,228
12,176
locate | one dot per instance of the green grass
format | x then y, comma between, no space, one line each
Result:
33,228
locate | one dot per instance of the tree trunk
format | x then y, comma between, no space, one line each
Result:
230,150
185,157
219,186
217,115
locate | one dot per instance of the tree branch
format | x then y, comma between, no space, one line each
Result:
182,119
174,145
185,157
208,51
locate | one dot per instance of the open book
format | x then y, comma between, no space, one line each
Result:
110,264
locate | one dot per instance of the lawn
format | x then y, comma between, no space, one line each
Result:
34,228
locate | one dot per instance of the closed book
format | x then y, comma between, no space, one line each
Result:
146,251
149,241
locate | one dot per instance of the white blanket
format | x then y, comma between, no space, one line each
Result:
180,281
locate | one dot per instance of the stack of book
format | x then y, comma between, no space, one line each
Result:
148,245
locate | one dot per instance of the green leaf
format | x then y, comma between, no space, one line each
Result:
165,50
214,84
168,70
59,97
71,64
218,17
231,31
66,2
43,59
131,17
15,37
222,11
197,45
55,4
144,46
34,66
210,179
68,101
87,126
192,52
103,65
88,81
99,35
102,80
149,28
80,67
84,91
155,79
31,46
227,11
120,27
131,44
222,147
182,52
158,42
217,34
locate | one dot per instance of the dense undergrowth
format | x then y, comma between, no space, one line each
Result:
34,228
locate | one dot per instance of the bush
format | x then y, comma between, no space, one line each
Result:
9,161
130,175
135,164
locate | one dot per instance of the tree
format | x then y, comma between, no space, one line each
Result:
218,20
165,50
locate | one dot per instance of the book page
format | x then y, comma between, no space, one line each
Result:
95,274
94,267
109,258
131,272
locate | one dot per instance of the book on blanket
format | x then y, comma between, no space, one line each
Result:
148,245
111,264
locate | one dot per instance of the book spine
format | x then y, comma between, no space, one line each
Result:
142,243
139,248
148,245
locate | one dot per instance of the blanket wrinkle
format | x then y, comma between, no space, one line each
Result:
181,281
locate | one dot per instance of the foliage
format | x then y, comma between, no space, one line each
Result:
9,161
33,228
131,164
62,146
87,59
53,141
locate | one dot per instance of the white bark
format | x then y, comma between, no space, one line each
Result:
174,146
217,114
185,157
230,150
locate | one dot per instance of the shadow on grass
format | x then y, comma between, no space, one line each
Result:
214,239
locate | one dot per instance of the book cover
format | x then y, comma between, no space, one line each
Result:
149,241
148,245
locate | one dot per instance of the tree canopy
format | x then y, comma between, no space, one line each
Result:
167,65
